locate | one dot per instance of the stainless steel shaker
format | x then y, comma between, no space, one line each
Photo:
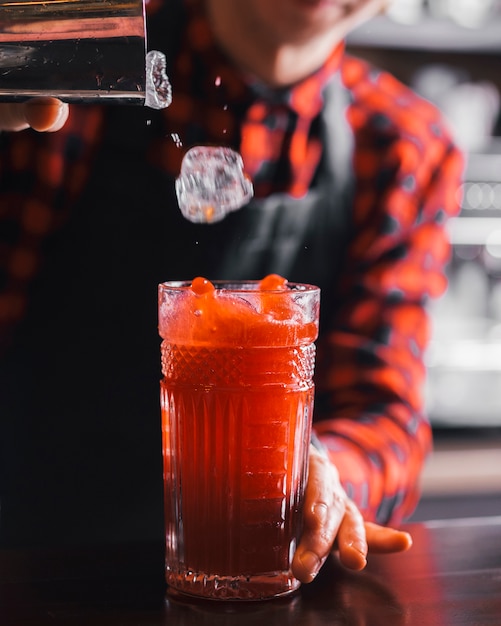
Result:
77,50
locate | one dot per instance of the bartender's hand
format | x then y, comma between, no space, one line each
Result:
43,114
331,519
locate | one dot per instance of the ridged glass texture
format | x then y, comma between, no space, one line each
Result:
234,466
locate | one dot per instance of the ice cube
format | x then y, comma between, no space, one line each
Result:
212,183
158,88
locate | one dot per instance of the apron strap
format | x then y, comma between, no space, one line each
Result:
303,239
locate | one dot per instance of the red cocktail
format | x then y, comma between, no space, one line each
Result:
237,399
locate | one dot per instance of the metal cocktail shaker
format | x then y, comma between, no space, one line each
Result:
79,51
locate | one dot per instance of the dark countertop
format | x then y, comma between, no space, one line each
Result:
451,576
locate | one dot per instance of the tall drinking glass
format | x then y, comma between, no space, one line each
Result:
237,400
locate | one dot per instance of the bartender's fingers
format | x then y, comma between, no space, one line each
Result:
42,114
352,539
378,539
382,539
324,509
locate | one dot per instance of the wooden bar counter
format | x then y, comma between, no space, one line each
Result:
450,577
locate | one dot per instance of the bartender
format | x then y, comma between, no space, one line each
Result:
354,177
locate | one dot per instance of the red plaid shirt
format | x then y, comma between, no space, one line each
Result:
370,362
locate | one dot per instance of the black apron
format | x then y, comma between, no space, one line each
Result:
80,438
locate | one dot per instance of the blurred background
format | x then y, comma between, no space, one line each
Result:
449,51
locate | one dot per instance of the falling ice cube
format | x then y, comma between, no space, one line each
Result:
158,88
212,183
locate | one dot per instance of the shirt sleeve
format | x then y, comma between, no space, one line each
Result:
369,411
